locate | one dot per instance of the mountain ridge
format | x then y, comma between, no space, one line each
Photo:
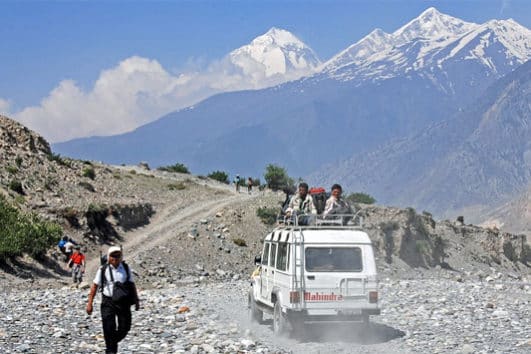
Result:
323,119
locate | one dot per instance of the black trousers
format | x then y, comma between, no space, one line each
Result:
111,314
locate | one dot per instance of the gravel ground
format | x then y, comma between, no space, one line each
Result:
432,313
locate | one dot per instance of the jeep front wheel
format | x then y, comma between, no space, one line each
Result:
280,323
255,314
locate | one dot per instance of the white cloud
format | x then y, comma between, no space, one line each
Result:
4,106
135,92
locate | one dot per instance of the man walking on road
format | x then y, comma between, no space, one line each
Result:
113,310
77,263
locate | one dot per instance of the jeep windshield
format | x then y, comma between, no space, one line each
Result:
333,259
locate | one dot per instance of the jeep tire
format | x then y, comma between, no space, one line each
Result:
280,323
255,314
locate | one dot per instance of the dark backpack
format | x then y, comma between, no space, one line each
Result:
104,269
319,196
103,259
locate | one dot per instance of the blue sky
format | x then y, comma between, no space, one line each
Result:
45,42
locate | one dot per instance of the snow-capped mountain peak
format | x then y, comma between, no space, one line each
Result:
434,46
278,36
357,53
497,41
276,52
432,24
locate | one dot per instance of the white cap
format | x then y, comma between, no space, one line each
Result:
113,249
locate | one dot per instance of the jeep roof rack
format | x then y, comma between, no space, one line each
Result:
317,221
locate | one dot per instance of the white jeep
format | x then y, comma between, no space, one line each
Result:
323,272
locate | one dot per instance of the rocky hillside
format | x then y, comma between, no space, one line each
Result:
178,227
95,204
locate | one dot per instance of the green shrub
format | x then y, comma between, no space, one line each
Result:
18,161
267,215
116,175
12,169
178,167
176,186
89,172
49,183
19,200
360,198
97,208
24,233
16,186
422,246
87,186
220,176
239,242
59,160
277,178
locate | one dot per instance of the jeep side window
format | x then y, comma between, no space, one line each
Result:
265,256
273,254
282,258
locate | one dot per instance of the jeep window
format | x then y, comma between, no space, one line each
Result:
333,259
265,256
273,254
282,258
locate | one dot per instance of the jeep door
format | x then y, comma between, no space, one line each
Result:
264,271
269,274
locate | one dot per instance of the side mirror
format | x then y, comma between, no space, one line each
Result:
258,260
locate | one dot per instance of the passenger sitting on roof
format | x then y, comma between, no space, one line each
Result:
335,204
301,203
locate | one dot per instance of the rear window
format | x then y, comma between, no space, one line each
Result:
333,259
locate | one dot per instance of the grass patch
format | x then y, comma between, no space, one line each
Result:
89,172
12,169
239,242
176,186
87,186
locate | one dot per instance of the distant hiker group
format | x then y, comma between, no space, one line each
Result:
73,257
238,182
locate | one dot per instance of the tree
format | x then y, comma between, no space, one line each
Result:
360,198
178,167
220,176
277,178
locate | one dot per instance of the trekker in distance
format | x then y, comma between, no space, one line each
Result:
249,185
77,263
